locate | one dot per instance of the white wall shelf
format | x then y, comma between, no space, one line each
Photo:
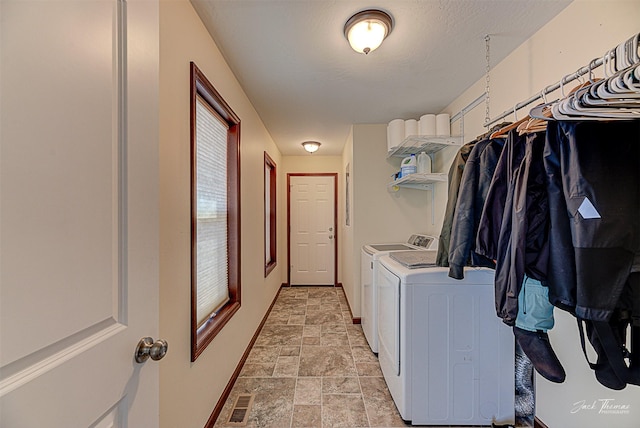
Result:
429,144
422,181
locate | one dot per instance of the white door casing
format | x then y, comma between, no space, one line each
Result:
78,212
312,227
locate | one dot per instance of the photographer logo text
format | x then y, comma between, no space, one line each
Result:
601,406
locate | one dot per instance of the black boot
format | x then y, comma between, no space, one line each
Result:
604,368
535,344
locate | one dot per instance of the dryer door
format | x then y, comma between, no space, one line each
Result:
388,320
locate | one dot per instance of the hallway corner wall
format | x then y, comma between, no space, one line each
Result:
348,263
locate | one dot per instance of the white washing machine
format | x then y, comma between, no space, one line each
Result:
368,260
445,355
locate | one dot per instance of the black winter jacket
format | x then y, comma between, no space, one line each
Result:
593,171
474,186
455,176
513,228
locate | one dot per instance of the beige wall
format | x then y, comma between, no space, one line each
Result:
378,214
189,391
583,31
310,163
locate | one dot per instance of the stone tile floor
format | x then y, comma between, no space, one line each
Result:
312,367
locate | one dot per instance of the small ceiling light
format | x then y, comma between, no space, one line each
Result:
311,146
367,29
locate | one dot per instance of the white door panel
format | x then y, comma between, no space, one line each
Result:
322,263
312,230
303,258
78,223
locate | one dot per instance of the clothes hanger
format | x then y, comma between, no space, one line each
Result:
576,106
608,98
503,132
626,53
534,124
543,111
568,109
609,62
631,78
617,86
614,97
558,115
610,108
635,48
563,108
522,127
612,87
631,49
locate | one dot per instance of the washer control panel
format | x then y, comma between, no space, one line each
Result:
424,241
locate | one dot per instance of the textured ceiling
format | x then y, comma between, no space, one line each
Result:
306,83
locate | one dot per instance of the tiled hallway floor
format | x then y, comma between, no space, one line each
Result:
311,367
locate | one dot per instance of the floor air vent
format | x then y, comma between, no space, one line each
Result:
240,412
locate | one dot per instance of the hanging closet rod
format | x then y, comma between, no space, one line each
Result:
547,90
595,63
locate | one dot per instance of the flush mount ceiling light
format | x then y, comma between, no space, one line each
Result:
367,29
311,146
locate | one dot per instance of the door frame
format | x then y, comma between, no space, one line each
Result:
335,219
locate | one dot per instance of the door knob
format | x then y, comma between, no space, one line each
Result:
148,348
330,236
331,229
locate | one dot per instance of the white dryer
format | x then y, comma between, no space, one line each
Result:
445,355
371,253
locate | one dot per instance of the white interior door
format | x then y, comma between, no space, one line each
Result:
312,228
78,212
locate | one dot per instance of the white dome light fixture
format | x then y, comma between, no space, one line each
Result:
367,29
311,146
